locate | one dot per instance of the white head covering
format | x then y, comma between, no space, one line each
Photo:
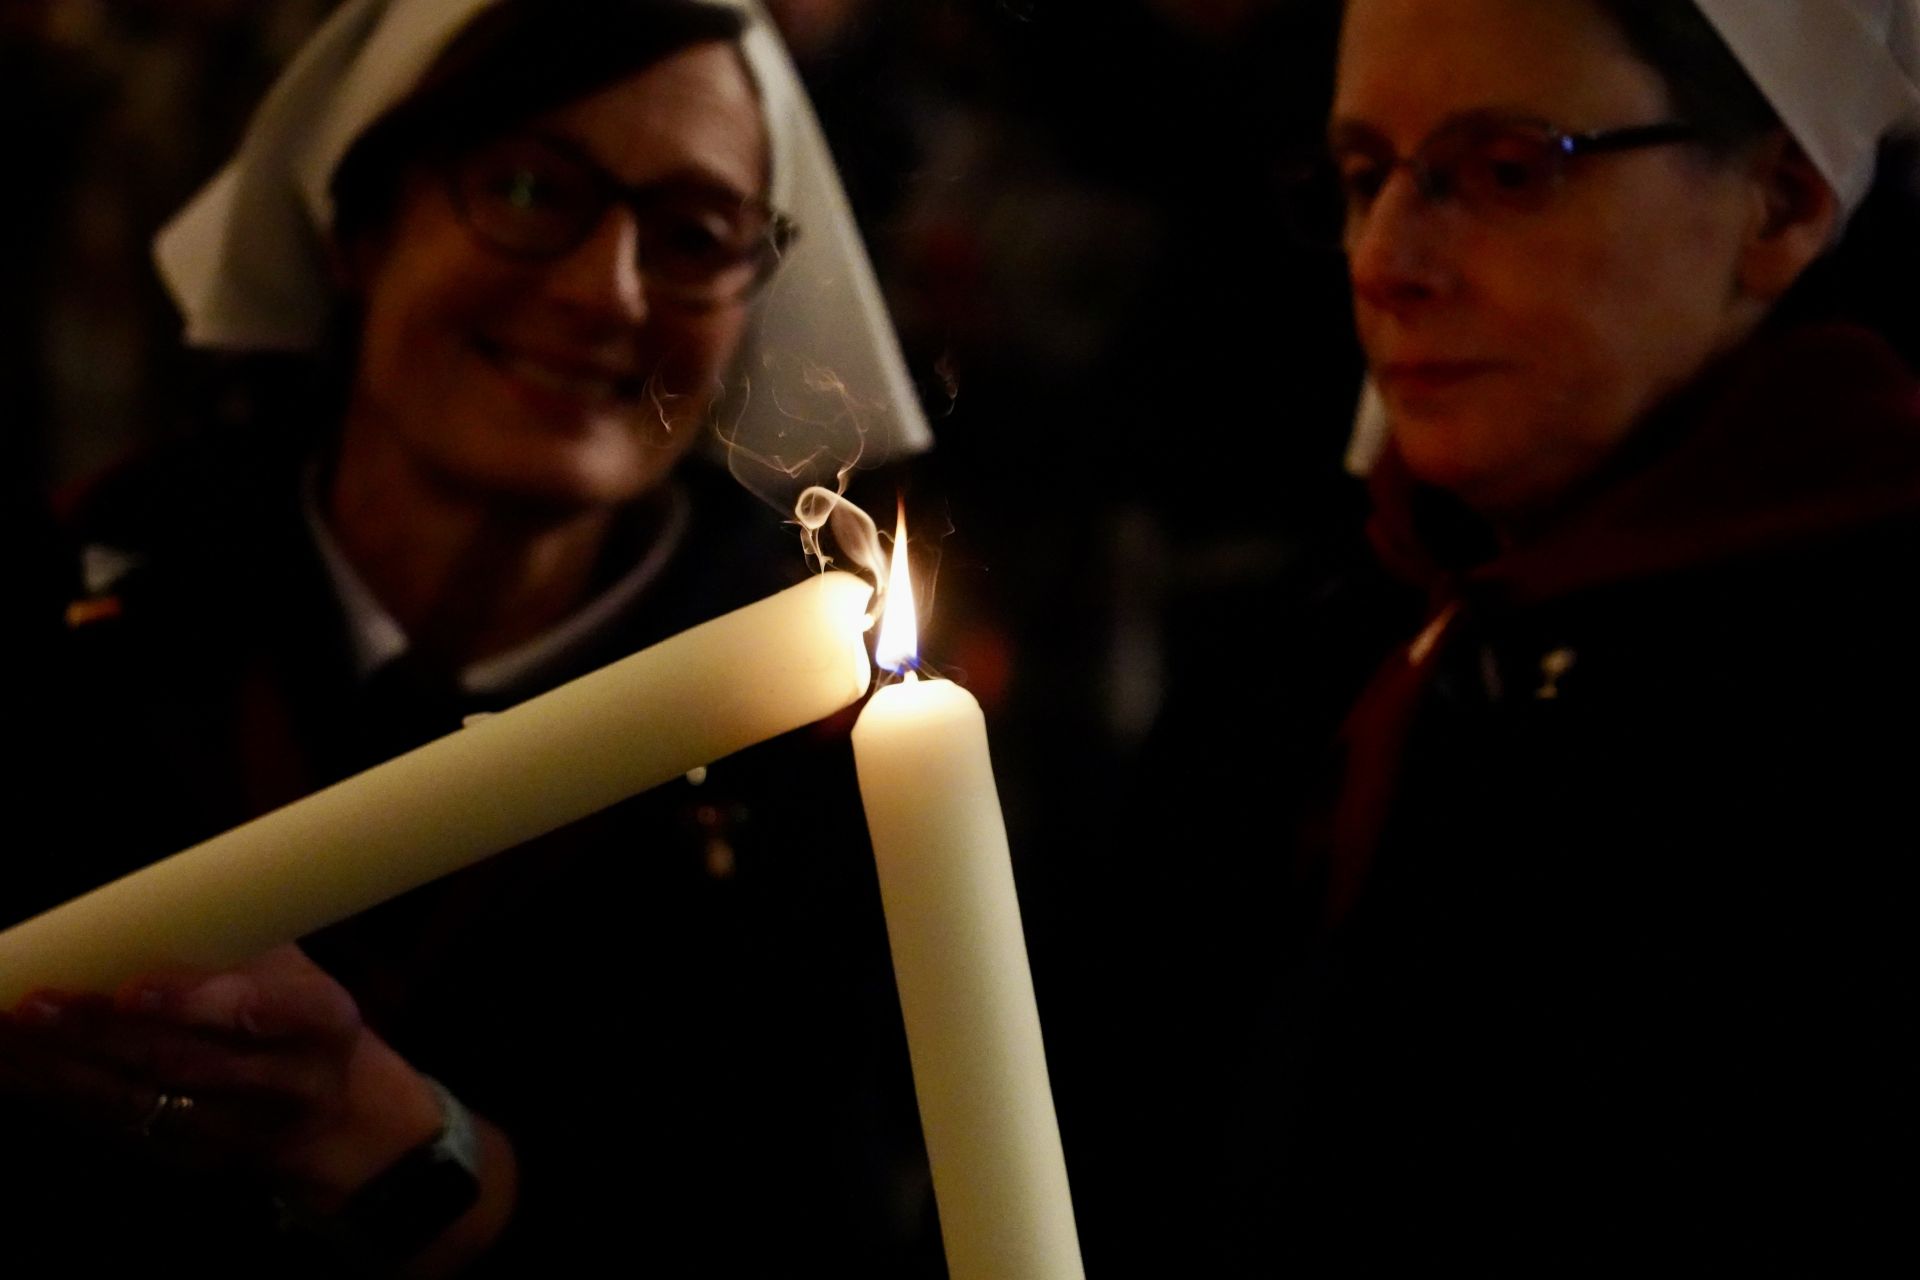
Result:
1841,73
819,377
1844,76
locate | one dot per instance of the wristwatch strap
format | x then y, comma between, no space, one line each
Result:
408,1205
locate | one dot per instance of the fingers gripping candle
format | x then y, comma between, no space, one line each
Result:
741,678
960,962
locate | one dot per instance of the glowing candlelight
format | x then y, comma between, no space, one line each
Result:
744,677
960,960
897,647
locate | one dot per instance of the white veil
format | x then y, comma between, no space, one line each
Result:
819,382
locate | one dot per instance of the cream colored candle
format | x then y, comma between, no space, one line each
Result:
960,961
726,684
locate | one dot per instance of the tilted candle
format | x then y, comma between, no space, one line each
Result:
960,960
742,678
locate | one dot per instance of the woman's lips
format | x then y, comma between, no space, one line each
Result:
584,382
1431,377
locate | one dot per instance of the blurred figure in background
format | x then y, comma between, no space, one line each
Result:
530,253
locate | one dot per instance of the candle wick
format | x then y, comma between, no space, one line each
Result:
911,677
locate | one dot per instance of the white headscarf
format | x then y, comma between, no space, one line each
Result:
1843,75
819,375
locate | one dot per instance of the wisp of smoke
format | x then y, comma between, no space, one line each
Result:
821,439
852,531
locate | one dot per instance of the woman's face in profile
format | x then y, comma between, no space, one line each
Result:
1518,334
563,376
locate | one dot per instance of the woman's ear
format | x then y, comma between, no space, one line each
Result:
1796,218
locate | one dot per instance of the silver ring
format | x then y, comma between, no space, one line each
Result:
169,1116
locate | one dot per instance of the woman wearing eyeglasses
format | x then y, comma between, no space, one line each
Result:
533,253
1613,891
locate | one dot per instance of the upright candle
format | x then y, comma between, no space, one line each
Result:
747,676
960,961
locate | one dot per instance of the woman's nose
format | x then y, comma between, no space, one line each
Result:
1397,248
602,274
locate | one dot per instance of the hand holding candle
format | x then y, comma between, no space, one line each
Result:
959,957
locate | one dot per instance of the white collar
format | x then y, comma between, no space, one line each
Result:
377,639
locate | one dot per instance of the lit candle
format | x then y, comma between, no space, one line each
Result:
750,675
960,961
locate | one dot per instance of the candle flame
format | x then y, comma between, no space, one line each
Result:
898,648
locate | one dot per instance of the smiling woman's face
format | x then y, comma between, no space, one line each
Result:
1515,350
564,380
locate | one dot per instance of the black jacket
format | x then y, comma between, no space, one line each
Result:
1624,975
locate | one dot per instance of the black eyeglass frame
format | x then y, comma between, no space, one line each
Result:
1329,229
771,245
1564,145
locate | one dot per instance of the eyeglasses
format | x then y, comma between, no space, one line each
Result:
538,198
1490,166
